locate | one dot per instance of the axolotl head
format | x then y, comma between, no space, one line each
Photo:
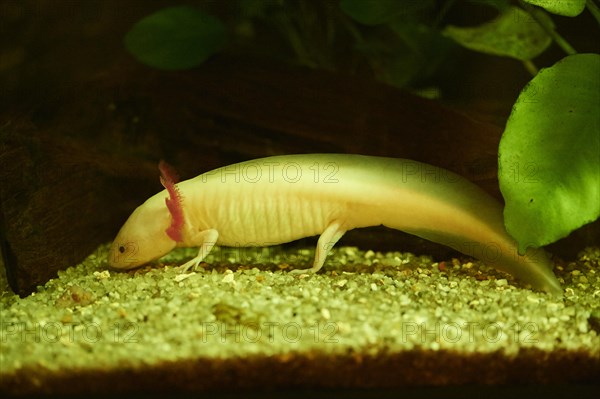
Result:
153,229
143,237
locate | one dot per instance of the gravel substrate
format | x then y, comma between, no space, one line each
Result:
244,321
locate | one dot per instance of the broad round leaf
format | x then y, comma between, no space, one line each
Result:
175,38
568,8
549,155
512,34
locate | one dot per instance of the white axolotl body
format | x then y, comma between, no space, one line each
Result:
279,199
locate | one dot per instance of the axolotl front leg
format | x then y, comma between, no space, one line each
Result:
205,240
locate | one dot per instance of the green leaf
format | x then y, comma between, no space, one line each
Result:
424,50
567,8
549,155
378,12
513,34
175,38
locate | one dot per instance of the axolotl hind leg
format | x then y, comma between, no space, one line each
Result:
332,234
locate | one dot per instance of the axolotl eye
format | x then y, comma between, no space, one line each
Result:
124,255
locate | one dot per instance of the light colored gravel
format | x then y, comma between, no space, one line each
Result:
245,302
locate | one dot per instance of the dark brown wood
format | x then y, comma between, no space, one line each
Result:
59,199
70,178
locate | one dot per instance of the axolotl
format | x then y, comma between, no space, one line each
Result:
280,199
